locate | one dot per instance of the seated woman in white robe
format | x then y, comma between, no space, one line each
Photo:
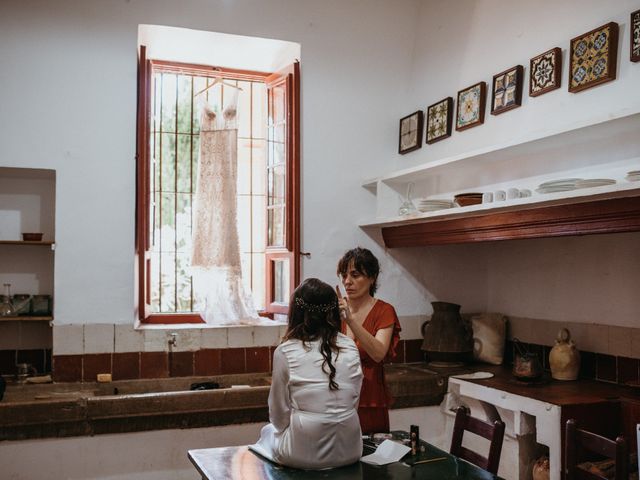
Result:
315,387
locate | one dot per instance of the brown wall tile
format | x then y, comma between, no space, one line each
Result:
233,360
587,365
606,368
94,364
207,362
154,365
67,368
7,362
271,351
413,352
181,364
258,360
627,370
126,366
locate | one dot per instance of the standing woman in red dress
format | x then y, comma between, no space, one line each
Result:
374,326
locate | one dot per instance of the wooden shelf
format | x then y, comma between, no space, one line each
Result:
23,242
26,318
606,215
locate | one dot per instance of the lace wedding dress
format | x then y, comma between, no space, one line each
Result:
215,258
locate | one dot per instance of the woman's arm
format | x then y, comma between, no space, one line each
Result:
376,346
279,401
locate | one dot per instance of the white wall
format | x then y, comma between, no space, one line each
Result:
579,279
155,455
68,93
462,43
68,96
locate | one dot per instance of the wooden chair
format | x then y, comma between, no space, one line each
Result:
492,432
577,441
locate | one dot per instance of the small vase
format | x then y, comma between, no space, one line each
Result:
564,358
541,469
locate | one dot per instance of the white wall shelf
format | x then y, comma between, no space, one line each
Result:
626,189
608,149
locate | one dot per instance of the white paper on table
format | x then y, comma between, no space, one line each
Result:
387,452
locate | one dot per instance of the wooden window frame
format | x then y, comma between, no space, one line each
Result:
142,241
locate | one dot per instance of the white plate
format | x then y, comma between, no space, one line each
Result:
594,183
474,376
563,181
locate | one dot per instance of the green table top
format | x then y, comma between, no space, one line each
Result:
236,463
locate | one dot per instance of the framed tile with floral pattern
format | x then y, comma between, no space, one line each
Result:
593,57
411,132
635,36
471,106
544,72
439,120
506,93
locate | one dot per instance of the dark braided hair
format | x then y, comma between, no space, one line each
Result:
313,315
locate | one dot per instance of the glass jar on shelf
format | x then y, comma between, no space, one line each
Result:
6,307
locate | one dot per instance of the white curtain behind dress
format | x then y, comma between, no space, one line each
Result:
215,257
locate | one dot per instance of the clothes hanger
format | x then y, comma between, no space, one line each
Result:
215,82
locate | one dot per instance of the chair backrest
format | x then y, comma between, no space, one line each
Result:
577,441
494,432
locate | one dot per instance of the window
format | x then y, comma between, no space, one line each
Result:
268,195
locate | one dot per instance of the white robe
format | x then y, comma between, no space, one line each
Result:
311,426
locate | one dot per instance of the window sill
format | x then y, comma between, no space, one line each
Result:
261,322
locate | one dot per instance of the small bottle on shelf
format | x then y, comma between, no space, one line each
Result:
6,307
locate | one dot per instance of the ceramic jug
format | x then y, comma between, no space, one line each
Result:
564,358
446,337
541,469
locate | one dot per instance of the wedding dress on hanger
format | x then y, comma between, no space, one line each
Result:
215,258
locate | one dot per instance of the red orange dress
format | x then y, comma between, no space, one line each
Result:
375,398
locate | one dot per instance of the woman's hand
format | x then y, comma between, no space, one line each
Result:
343,306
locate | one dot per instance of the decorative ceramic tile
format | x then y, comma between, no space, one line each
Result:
439,117
593,57
471,106
411,132
544,74
507,90
635,36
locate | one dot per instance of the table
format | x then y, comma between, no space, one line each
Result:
235,463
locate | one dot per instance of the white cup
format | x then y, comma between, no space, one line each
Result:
513,193
499,195
487,197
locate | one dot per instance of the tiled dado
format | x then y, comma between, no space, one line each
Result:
208,361
589,337
595,366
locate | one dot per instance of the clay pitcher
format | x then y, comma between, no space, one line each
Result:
447,339
564,358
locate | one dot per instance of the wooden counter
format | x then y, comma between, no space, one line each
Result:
542,408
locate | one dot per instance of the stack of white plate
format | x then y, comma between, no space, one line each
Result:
562,185
594,182
433,205
633,176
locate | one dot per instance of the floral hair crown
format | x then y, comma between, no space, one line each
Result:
315,307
